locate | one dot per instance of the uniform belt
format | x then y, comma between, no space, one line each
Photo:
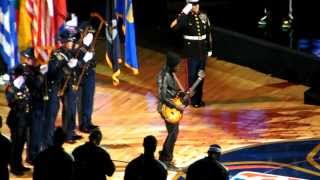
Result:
199,38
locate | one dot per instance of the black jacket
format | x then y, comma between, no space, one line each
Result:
145,168
92,162
5,145
52,164
167,88
207,169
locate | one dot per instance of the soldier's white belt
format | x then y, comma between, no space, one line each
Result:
196,38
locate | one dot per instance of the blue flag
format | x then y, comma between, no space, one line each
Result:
8,34
131,59
113,54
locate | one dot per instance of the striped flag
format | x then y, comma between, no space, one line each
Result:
8,34
43,27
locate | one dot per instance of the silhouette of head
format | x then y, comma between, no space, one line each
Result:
150,144
59,137
214,151
173,60
95,136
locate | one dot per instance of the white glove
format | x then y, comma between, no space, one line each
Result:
6,77
88,56
73,22
209,53
44,68
18,82
87,40
72,62
187,9
114,22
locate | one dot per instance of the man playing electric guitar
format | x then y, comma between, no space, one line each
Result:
168,89
173,99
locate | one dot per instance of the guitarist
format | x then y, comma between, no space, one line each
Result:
168,89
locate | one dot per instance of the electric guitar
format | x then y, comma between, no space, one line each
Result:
173,115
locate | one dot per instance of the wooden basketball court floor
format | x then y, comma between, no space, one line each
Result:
239,100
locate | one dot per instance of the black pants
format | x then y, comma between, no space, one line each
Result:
166,154
18,138
194,66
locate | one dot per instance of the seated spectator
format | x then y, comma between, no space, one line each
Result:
92,161
145,166
5,145
208,168
54,163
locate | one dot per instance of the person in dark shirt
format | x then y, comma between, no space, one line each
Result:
92,161
168,89
145,166
5,145
54,163
208,168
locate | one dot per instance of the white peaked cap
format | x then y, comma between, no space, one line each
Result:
192,1
73,22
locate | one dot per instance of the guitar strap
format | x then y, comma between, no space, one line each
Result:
178,82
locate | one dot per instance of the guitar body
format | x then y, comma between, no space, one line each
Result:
172,115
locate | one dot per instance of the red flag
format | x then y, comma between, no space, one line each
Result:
60,13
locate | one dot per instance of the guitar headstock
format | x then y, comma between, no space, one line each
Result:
201,74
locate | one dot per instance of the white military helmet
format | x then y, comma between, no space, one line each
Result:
192,1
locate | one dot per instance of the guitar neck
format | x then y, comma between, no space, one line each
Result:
195,84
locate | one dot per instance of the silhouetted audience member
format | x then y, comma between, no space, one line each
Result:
5,146
54,163
92,161
208,168
145,166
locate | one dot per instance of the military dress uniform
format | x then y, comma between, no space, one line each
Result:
69,96
196,30
86,90
54,79
35,82
18,120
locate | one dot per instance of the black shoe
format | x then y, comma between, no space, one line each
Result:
171,166
70,141
201,104
92,127
25,169
17,172
84,130
76,137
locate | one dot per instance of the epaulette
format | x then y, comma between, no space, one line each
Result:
59,55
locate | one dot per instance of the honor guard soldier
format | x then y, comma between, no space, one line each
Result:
54,76
68,90
196,29
35,82
19,118
87,81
